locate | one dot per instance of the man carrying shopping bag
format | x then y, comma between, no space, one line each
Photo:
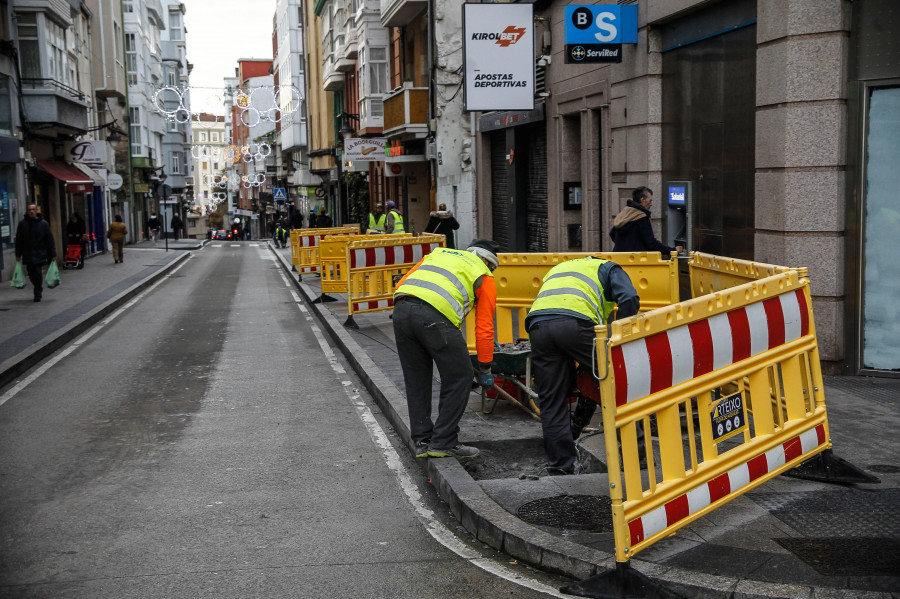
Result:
35,247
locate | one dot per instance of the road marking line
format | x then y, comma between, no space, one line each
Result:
34,375
435,528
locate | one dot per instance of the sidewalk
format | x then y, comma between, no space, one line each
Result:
32,331
787,538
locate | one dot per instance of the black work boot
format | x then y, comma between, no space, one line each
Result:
581,417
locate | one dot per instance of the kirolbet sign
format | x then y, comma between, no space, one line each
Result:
499,56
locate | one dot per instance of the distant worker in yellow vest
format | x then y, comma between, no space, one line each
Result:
575,296
377,218
394,219
430,303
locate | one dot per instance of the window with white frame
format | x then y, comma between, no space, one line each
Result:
378,70
171,77
127,5
29,47
131,59
175,26
215,136
58,58
134,114
176,163
203,136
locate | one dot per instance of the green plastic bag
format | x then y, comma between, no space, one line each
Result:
18,280
52,278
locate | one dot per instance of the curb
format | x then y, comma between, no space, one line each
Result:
487,521
18,365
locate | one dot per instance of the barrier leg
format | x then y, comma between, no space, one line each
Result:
293,268
350,323
324,298
623,582
829,468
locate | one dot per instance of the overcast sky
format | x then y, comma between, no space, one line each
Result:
219,32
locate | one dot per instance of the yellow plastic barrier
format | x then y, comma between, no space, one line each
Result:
519,278
305,245
744,365
333,259
711,273
373,265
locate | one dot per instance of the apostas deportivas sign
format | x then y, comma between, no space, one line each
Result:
499,56
364,149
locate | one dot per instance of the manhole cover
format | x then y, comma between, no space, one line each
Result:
884,468
859,556
574,512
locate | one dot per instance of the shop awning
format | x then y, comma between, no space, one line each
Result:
93,175
75,180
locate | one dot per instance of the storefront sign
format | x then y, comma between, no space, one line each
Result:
364,149
5,225
596,33
114,181
499,56
90,152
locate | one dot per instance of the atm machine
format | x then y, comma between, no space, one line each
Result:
679,208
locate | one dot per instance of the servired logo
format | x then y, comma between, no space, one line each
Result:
506,38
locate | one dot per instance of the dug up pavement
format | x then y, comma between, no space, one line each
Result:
789,537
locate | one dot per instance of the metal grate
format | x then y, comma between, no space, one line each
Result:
860,556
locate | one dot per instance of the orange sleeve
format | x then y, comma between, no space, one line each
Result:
484,319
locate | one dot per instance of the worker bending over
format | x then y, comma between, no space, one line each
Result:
575,296
430,303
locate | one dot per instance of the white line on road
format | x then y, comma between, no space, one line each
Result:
80,341
435,528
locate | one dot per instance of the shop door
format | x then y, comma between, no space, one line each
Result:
502,201
534,149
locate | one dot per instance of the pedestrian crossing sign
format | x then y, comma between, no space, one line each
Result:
279,194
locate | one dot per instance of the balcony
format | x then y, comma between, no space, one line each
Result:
48,101
406,113
396,13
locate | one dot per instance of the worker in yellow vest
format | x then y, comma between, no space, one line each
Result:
576,295
377,218
430,303
394,219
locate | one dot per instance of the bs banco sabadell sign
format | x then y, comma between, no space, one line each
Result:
595,33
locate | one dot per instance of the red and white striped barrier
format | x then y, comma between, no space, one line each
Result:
390,255
724,486
654,363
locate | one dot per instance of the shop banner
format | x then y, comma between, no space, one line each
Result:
364,149
499,56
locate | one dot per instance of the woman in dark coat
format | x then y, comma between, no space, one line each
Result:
443,223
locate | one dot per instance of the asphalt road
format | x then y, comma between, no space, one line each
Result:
205,441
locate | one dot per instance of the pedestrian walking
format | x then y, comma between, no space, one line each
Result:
324,220
576,295
442,222
430,303
154,224
377,218
116,235
177,225
394,222
34,247
313,219
631,231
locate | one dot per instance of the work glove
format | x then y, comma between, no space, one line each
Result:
485,378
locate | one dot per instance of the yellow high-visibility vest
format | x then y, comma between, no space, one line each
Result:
446,280
574,286
398,222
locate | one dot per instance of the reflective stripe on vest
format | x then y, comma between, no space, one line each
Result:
398,222
574,286
446,280
377,224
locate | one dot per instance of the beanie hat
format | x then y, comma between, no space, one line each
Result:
487,249
391,204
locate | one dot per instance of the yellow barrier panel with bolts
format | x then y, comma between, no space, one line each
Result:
733,384
307,245
519,278
711,273
374,263
333,259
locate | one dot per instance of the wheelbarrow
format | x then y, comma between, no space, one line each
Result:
512,364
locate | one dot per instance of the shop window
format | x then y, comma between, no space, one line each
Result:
5,106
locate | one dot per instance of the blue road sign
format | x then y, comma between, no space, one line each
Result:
279,194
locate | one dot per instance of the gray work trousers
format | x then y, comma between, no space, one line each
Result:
425,337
